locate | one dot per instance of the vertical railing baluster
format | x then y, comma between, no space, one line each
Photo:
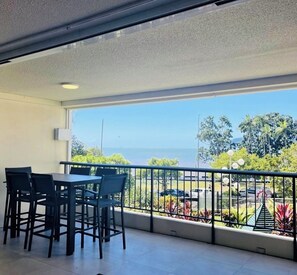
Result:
190,193
284,203
264,201
212,209
255,198
140,188
221,201
246,200
274,197
129,193
237,199
230,198
146,191
294,220
152,202
205,196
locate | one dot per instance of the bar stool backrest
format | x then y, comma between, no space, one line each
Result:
112,184
80,170
43,184
26,169
18,181
105,171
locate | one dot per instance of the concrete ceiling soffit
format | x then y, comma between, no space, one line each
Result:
119,17
227,88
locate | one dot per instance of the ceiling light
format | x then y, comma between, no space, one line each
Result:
70,86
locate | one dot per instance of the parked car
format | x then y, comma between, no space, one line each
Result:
174,192
242,193
195,193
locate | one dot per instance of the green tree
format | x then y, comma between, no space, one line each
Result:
204,154
288,159
90,158
285,134
216,135
161,176
95,151
78,148
249,137
113,159
223,160
285,162
162,162
268,134
252,162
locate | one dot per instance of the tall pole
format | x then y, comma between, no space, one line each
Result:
230,154
198,142
102,128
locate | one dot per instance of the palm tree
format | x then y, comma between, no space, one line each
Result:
265,137
283,133
246,127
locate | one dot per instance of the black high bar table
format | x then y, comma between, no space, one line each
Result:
71,181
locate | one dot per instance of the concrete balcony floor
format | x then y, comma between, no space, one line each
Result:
146,253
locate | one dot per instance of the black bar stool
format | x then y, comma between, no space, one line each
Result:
110,194
44,194
20,191
26,169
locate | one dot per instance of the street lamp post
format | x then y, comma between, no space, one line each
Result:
230,153
228,180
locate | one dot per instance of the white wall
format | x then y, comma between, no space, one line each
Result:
26,136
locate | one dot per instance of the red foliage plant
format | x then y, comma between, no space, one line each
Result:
284,217
184,211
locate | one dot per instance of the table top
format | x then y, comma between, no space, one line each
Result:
72,179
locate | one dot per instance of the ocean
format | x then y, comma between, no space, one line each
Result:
140,156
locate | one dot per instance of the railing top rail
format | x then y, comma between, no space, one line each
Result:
191,169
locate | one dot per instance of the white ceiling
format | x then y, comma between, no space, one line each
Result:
21,18
244,40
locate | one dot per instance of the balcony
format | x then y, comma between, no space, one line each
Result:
184,58
261,221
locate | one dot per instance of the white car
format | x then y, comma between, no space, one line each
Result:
195,193
242,193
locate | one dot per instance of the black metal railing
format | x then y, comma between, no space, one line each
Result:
251,200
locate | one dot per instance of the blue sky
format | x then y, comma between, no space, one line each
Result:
173,124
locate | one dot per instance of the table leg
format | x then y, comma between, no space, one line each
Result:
70,222
106,214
